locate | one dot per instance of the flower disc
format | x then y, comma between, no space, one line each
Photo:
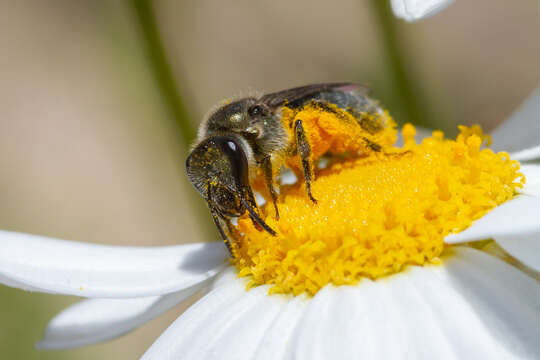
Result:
375,215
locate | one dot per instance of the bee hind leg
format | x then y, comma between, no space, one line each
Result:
398,154
373,145
304,149
268,175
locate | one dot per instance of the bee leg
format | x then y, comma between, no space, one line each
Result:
217,216
233,233
217,220
248,194
304,149
398,154
373,145
250,205
257,219
230,227
267,168
378,148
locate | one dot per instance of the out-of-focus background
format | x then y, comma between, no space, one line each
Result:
88,150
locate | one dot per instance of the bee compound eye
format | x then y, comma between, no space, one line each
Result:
256,110
231,145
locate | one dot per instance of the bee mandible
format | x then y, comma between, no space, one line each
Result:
255,136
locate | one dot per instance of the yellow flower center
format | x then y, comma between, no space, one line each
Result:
377,214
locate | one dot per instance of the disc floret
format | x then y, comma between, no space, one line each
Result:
377,214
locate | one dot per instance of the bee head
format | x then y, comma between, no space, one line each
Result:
218,169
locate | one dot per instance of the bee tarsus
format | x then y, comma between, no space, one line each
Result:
257,219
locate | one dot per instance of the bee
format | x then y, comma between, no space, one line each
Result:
252,138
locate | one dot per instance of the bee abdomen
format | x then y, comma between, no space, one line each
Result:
349,101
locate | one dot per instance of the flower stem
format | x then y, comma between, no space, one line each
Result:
162,73
161,70
407,94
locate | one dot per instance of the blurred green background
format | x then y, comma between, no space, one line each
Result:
89,150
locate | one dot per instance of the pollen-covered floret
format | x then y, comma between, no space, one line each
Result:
376,214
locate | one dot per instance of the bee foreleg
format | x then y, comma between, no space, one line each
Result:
255,218
304,149
217,220
267,168
218,216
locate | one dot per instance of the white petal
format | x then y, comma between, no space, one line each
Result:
186,329
527,154
519,216
522,128
374,320
232,323
288,177
532,179
56,266
505,301
94,320
515,228
472,307
237,330
413,10
276,342
525,248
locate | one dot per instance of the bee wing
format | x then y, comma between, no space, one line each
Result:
302,94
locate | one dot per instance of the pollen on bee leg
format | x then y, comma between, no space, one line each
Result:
376,215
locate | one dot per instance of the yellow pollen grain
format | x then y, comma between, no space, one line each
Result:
376,214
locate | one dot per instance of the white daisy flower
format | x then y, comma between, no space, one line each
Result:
414,10
464,303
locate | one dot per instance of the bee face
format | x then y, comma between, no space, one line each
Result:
251,119
218,169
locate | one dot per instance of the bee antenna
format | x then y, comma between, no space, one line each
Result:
254,216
